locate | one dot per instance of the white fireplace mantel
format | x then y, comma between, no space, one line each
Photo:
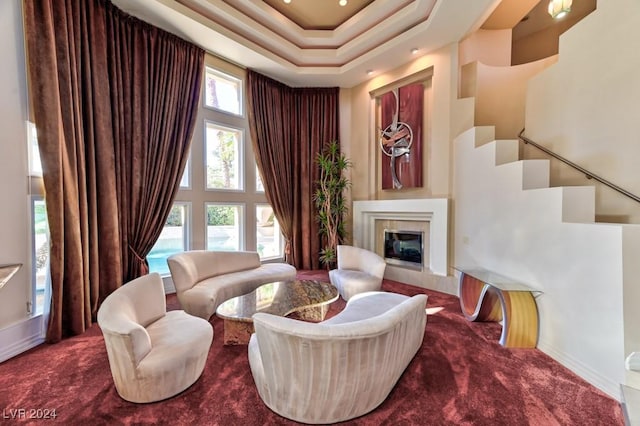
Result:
432,210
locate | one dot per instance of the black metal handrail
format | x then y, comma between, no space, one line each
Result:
587,173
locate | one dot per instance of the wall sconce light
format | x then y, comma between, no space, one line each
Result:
559,8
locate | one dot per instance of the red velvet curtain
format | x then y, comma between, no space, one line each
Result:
155,88
114,102
289,127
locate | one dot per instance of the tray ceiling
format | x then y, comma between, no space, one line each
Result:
282,40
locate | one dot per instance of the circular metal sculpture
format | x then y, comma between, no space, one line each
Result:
395,141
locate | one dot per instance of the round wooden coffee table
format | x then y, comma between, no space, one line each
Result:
307,300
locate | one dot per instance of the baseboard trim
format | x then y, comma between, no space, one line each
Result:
21,337
601,382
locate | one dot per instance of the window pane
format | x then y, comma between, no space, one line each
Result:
259,185
35,166
223,227
223,157
185,182
268,232
173,239
223,91
40,251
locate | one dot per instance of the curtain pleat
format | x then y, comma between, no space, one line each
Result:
160,91
114,102
289,127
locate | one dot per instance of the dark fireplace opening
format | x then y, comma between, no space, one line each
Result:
403,248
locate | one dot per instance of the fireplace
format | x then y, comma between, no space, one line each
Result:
404,248
432,210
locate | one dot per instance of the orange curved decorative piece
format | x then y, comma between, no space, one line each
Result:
515,307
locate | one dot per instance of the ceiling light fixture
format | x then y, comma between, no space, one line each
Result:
369,72
414,50
340,2
559,8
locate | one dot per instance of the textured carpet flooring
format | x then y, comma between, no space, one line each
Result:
460,376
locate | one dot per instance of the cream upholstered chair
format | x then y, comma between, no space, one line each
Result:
359,270
204,279
340,368
153,354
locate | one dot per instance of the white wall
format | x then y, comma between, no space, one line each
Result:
529,235
490,47
18,330
361,142
586,106
14,214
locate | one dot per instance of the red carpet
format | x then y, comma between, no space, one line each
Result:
461,376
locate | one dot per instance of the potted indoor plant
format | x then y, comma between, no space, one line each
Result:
329,200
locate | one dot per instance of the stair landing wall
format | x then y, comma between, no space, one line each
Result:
507,221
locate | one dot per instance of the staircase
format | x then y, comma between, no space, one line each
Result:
508,219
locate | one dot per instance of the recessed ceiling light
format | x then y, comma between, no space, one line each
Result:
342,2
369,72
414,50
287,1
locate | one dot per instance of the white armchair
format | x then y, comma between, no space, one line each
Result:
359,270
341,368
153,354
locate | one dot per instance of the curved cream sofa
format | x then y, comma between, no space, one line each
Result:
204,279
153,354
340,368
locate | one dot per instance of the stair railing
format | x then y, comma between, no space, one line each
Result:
587,173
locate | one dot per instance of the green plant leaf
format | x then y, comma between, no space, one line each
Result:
328,198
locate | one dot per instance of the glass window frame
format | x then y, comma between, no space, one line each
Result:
36,308
242,243
230,77
241,156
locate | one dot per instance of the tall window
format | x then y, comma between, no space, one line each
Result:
39,226
222,197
